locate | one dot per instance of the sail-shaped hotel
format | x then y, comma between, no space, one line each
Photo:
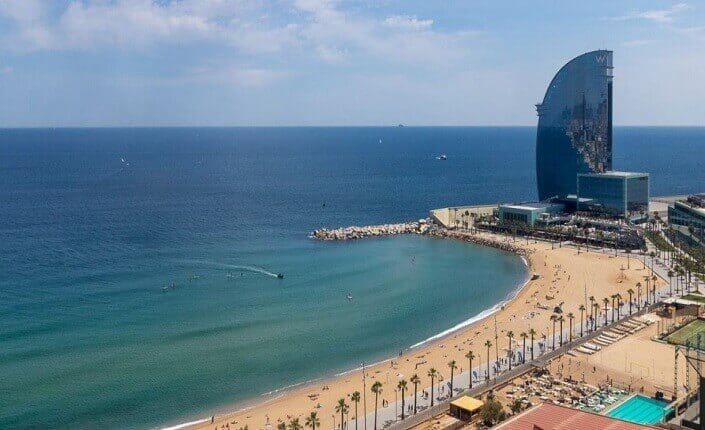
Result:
574,133
574,148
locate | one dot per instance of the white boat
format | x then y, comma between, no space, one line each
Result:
442,157
349,296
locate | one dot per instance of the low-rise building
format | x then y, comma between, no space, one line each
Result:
547,416
466,408
526,213
618,194
688,217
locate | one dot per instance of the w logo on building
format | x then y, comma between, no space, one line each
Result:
601,58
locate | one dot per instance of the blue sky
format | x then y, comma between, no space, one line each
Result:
327,62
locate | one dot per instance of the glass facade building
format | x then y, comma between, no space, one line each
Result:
619,194
690,215
526,213
574,132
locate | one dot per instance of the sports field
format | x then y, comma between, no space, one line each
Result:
688,334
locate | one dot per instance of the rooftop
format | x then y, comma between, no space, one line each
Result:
468,403
547,416
616,174
529,206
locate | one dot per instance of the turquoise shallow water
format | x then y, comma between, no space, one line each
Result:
95,222
640,409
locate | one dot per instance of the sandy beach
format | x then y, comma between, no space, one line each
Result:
565,276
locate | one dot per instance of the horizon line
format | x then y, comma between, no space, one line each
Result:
45,127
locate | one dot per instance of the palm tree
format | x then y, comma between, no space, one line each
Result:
523,336
401,386
377,390
606,301
281,426
355,397
313,421
619,303
630,292
638,296
416,381
592,308
596,308
613,297
342,408
294,424
510,335
532,333
488,345
653,285
452,366
432,373
560,320
554,318
470,356
570,326
581,308
670,283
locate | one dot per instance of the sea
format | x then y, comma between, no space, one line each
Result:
138,266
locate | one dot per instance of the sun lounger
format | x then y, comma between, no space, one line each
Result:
589,345
585,350
631,324
626,329
613,334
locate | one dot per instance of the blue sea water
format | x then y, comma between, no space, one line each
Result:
134,287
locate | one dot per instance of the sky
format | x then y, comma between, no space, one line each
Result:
337,62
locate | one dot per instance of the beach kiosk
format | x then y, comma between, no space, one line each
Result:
466,408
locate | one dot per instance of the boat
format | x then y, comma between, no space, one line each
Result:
442,157
349,297
280,276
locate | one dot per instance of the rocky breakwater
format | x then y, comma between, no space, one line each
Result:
358,232
479,239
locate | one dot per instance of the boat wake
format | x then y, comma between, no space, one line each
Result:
252,269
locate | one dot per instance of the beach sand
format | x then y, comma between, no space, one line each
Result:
636,362
565,276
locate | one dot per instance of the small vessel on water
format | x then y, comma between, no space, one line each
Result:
280,275
349,297
442,157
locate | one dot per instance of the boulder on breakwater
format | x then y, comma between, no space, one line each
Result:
358,232
466,236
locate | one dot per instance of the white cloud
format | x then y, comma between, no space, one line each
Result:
237,75
129,24
319,27
661,16
636,42
409,22
331,54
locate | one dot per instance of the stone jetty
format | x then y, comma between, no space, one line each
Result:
421,226
477,239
